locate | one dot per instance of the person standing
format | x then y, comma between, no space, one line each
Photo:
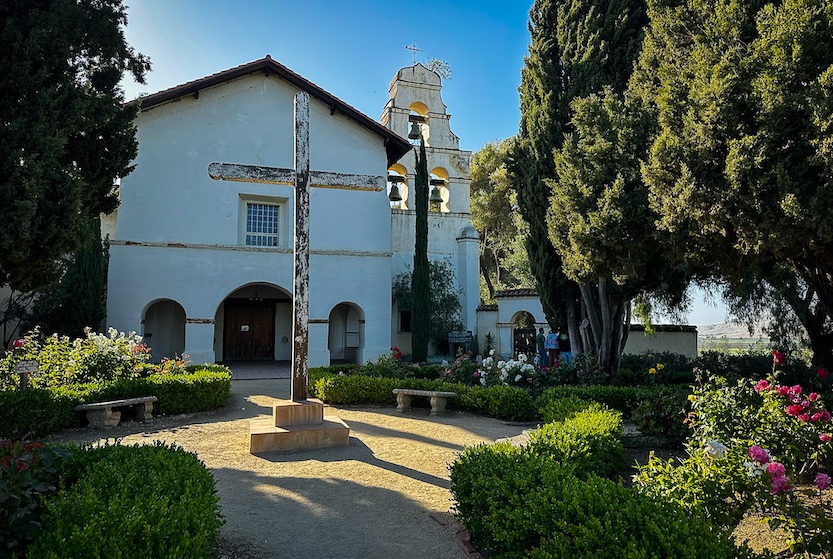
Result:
565,348
551,345
540,341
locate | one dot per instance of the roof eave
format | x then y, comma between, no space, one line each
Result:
395,145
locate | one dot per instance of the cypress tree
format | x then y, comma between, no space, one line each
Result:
577,47
77,300
420,284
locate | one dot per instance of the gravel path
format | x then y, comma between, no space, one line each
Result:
385,496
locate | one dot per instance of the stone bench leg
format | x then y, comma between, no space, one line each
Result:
438,405
403,402
103,418
144,412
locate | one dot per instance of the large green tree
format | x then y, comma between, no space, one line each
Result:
577,47
602,226
76,301
65,132
503,260
741,170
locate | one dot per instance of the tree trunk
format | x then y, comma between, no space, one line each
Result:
606,315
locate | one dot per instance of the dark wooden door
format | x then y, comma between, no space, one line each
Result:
249,330
525,342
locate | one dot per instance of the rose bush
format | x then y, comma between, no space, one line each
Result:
755,445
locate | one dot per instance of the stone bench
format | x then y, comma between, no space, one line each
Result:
101,414
438,399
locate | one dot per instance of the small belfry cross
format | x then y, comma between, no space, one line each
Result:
413,48
302,178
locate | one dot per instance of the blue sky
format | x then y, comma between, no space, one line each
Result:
353,49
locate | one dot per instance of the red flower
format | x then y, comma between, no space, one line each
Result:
783,390
813,396
793,410
824,437
762,386
778,357
18,343
821,372
804,417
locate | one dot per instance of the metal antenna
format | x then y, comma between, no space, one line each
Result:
413,48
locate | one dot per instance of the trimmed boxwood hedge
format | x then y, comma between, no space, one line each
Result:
132,502
40,412
503,402
527,503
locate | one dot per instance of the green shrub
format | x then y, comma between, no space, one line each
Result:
520,504
503,402
589,442
354,389
36,411
560,409
487,482
623,399
40,412
662,411
140,501
588,519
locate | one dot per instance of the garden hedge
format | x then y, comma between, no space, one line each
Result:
518,503
140,502
503,402
40,412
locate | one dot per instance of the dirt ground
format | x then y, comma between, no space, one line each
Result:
384,496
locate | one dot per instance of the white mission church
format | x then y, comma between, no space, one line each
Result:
205,267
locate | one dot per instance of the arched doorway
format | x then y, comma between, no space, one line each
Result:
346,334
523,334
254,323
163,329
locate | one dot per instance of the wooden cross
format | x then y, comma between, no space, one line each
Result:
302,178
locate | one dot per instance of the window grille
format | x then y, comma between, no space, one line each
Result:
262,225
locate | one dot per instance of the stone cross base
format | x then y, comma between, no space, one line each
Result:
297,426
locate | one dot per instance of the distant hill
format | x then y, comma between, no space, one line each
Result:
726,330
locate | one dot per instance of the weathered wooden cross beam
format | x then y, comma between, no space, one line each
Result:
302,178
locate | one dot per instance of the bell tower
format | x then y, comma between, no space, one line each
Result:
416,104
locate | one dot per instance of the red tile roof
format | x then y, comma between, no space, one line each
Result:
395,145
524,292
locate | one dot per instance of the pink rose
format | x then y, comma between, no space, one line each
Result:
822,481
779,485
778,357
783,390
804,417
824,437
795,390
825,416
776,469
816,416
758,454
821,372
476,374
762,385
813,396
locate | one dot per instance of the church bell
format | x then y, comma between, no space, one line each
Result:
394,195
436,197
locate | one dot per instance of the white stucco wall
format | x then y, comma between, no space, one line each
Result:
178,233
684,342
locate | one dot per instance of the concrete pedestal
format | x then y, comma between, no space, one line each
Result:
297,426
